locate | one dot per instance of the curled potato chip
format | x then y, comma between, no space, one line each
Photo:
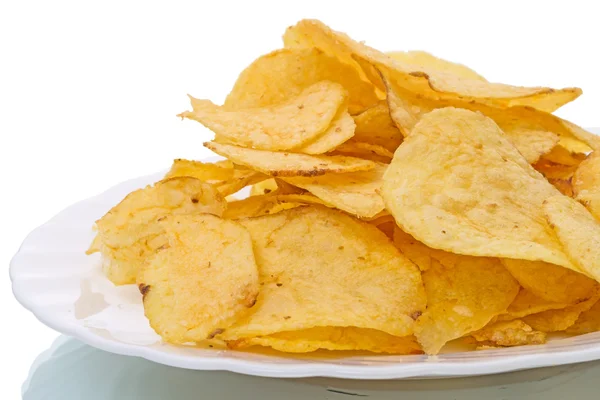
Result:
532,138
333,338
128,234
577,230
242,177
310,260
509,333
368,151
289,164
375,126
431,65
255,206
588,321
341,129
191,292
355,192
527,303
559,320
457,184
206,172
586,184
282,74
561,155
282,126
462,298
551,282
313,33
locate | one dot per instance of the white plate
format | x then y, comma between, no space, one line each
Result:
65,289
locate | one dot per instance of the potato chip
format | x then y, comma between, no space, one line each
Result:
242,177
532,139
341,129
368,151
313,33
310,260
577,230
191,292
560,176
333,338
431,65
128,234
509,333
464,293
551,282
282,74
527,303
457,184
375,126
559,320
289,164
282,126
355,192
264,187
206,172
560,155
588,321
586,184
462,298
272,203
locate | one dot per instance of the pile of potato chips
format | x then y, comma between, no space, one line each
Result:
397,202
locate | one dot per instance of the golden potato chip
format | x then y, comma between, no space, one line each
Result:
431,65
128,233
355,192
282,126
313,33
368,151
191,292
375,126
588,321
586,184
551,282
509,333
264,187
271,203
282,74
206,172
341,129
559,320
320,267
333,338
527,303
532,139
421,254
457,184
462,298
577,230
289,164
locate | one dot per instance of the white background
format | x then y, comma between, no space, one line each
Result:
89,90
